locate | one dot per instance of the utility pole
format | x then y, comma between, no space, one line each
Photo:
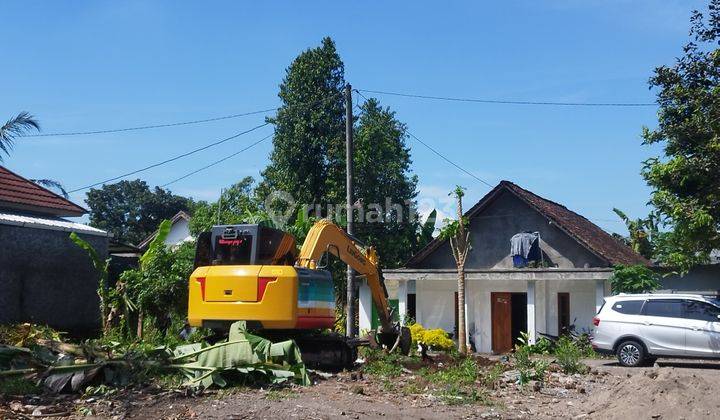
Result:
351,309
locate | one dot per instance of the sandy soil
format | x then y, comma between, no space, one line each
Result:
670,390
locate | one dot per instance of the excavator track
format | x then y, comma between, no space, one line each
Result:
329,352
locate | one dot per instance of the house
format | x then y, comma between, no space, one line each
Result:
179,232
44,277
563,284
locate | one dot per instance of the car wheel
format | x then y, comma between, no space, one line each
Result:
630,353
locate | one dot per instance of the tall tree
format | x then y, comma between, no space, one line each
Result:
235,205
15,127
309,128
130,210
385,186
686,180
459,236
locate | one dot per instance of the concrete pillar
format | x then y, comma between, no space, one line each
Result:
531,311
599,294
365,310
402,300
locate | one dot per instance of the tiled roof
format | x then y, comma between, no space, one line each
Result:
576,226
19,193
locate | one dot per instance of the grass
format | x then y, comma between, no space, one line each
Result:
280,394
18,386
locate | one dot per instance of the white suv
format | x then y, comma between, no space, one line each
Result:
641,328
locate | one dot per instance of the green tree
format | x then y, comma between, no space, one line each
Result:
382,170
686,180
235,205
633,279
130,210
456,232
15,127
641,233
309,129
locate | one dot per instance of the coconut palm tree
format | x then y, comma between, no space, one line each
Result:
16,127
22,124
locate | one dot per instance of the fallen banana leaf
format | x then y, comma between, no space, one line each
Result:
243,357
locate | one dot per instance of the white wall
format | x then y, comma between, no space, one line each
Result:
179,232
435,306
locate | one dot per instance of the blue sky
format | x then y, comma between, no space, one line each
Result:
103,64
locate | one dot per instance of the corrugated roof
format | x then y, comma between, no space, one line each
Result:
19,193
585,232
48,223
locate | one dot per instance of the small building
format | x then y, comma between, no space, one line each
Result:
44,277
179,232
558,281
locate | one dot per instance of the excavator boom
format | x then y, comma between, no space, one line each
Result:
326,236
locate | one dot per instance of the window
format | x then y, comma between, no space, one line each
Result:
628,307
563,313
669,308
702,311
233,251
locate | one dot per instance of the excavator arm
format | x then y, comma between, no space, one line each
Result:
325,236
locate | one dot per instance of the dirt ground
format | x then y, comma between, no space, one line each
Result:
670,390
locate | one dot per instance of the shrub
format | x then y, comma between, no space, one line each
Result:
528,369
541,346
567,354
436,339
633,279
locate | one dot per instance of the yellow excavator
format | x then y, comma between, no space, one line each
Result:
254,273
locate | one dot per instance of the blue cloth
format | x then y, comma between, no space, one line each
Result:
519,261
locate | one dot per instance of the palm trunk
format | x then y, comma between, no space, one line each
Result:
462,339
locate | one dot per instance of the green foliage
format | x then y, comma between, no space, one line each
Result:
158,242
383,171
686,180
641,232
25,335
456,383
18,386
308,146
383,364
159,287
17,126
130,210
101,266
529,369
542,345
633,279
568,354
236,205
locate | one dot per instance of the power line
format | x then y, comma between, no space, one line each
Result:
450,161
207,146
438,153
304,105
146,127
218,161
510,102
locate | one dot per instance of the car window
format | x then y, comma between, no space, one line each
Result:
701,310
670,308
629,307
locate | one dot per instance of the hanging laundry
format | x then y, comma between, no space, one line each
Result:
525,247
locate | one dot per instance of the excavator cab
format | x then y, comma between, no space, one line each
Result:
246,272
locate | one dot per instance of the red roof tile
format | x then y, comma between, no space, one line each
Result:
19,193
576,226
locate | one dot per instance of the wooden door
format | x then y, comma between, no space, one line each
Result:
501,311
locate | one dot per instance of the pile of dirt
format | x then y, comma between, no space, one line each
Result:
661,392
